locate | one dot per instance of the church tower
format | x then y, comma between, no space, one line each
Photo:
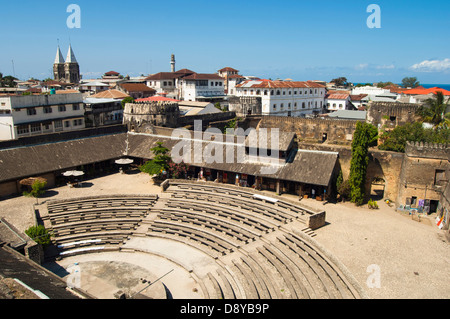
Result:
58,67
71,68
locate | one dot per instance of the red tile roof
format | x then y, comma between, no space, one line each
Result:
417,91
112,73
203,76
136,87
358,97
337,96
267,84
228,69
110,94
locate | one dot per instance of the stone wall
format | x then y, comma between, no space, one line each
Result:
245,105
391,114
423,172
382,164
140,115
339,131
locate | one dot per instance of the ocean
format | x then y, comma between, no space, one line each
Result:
427,86
442,86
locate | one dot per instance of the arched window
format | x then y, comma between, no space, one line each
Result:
265,92
303,105
258,92
271,92
278,92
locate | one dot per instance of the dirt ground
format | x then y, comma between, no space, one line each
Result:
389,254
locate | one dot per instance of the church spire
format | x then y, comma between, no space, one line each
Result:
59,57
71,56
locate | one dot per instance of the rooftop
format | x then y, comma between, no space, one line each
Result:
267,84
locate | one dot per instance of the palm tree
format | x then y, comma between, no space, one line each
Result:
433,109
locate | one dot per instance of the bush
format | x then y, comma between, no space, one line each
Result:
344,190
39,234
372,204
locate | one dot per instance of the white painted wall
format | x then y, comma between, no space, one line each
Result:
296,101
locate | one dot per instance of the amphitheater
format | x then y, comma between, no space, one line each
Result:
195,240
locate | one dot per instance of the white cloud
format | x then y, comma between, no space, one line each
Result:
386,67
432,66
362,66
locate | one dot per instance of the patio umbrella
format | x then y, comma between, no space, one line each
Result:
124,161
73,173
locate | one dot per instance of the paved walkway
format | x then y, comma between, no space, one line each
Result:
413,258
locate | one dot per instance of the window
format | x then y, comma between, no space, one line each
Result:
290,93
58,124
258,92
303,105
35,127
289,105
282,105
31,111
295,92
23,129
77,122
75,107
220,83
295,105
61,108
439,177
265,92
165,83
284,92
48,109
3,104
278,92
274,106
67,124
271,92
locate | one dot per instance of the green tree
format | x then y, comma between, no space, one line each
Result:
40,235
126,100
7,81
341,81
37,190
433,109
410,82
365,136
384,84
396,139
160,161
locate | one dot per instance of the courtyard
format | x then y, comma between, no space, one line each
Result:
389,254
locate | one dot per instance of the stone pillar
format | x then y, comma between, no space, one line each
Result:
278,187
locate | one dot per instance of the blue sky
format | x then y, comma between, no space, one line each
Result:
302,40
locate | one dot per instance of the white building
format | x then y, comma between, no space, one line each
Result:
200,87
285,98
40,114
370,90
339,101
